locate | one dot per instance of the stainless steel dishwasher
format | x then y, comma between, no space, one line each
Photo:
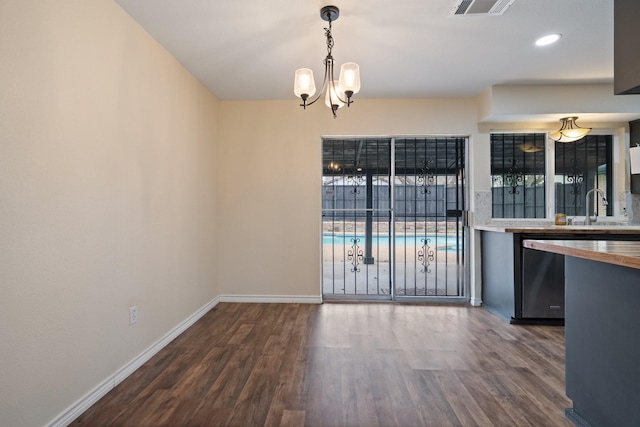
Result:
542,285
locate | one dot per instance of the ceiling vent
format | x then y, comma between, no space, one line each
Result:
482,7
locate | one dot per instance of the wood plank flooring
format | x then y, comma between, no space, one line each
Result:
339,364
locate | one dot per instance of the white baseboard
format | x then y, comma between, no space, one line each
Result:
75,410
272,299
476,302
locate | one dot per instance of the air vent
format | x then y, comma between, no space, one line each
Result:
482,7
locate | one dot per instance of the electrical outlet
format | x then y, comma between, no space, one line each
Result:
133,315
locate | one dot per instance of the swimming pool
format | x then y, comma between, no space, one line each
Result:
450,242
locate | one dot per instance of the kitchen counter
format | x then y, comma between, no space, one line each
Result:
562,229
624,253
602,344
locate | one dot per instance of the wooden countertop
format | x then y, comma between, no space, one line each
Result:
562,229
624,253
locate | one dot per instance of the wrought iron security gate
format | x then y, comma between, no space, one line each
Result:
394,218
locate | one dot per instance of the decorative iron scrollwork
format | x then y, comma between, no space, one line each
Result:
575,177
355,255
426,256
355,180
427,177
514,176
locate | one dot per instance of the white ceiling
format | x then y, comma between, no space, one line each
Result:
250,49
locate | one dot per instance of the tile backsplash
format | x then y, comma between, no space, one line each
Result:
482,212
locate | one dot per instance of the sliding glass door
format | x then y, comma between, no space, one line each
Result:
394,215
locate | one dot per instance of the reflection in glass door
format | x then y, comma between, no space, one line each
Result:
429,217
394,218
355,217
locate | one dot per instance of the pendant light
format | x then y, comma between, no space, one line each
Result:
338,93
570,131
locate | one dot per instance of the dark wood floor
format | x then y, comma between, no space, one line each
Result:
339,364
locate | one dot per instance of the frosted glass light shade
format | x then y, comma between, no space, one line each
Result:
304,83
570,131
350,78
576,133
563,137
335,95
634,157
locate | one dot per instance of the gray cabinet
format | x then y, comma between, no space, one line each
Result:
602,345
626,32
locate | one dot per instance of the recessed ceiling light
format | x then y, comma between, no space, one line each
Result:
551,38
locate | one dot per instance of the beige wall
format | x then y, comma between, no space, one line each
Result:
269,208
269,215
107,199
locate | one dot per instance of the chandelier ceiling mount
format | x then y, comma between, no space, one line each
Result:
329,13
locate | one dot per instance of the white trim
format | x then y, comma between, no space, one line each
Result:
476,302
272,299
74,411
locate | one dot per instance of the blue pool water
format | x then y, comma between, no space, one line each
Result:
450,242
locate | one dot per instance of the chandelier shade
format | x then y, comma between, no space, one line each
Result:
337,93
350,78
569,131
304,86
334,96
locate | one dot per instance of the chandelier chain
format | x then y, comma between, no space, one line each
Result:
327,33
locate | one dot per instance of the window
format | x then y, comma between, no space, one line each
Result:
518,184
580,167
518,175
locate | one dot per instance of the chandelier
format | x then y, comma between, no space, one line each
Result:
569,131
337,93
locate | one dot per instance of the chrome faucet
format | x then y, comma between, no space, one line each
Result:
588,219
